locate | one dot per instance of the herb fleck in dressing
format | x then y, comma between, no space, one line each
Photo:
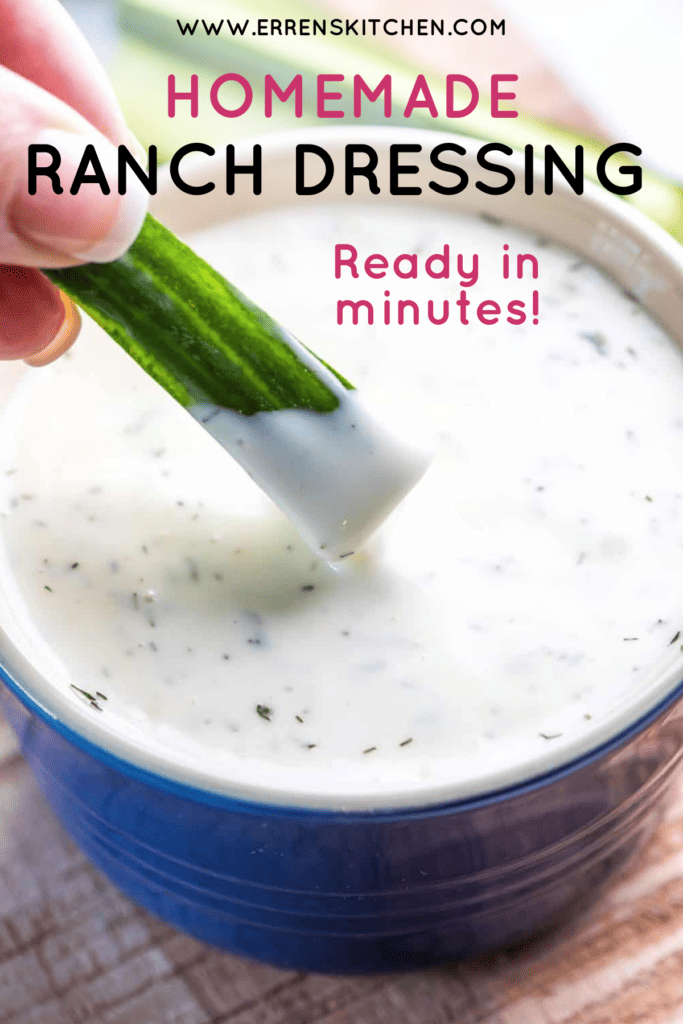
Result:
523,591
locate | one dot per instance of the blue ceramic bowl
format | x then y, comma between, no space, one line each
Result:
373,889
364,891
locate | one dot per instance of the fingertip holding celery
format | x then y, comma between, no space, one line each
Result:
293,423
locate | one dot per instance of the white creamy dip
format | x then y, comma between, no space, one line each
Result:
522,596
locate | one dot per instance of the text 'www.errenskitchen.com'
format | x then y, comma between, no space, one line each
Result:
344,27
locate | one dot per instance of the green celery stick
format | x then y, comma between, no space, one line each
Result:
191,330
293,423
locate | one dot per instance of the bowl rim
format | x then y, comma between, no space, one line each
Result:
243,804
660,288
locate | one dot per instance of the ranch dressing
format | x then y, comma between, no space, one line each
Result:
521,598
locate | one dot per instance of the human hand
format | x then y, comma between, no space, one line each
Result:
53,90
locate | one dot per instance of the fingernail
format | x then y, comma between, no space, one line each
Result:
63,339
89,226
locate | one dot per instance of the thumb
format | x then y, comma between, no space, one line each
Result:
57,230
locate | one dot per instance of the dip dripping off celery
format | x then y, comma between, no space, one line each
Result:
263,395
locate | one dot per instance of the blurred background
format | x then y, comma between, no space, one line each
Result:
609,69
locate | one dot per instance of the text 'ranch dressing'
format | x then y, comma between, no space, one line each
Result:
523,594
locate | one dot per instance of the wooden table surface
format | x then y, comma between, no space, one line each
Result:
73,950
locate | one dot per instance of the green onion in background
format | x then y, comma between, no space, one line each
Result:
154,22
